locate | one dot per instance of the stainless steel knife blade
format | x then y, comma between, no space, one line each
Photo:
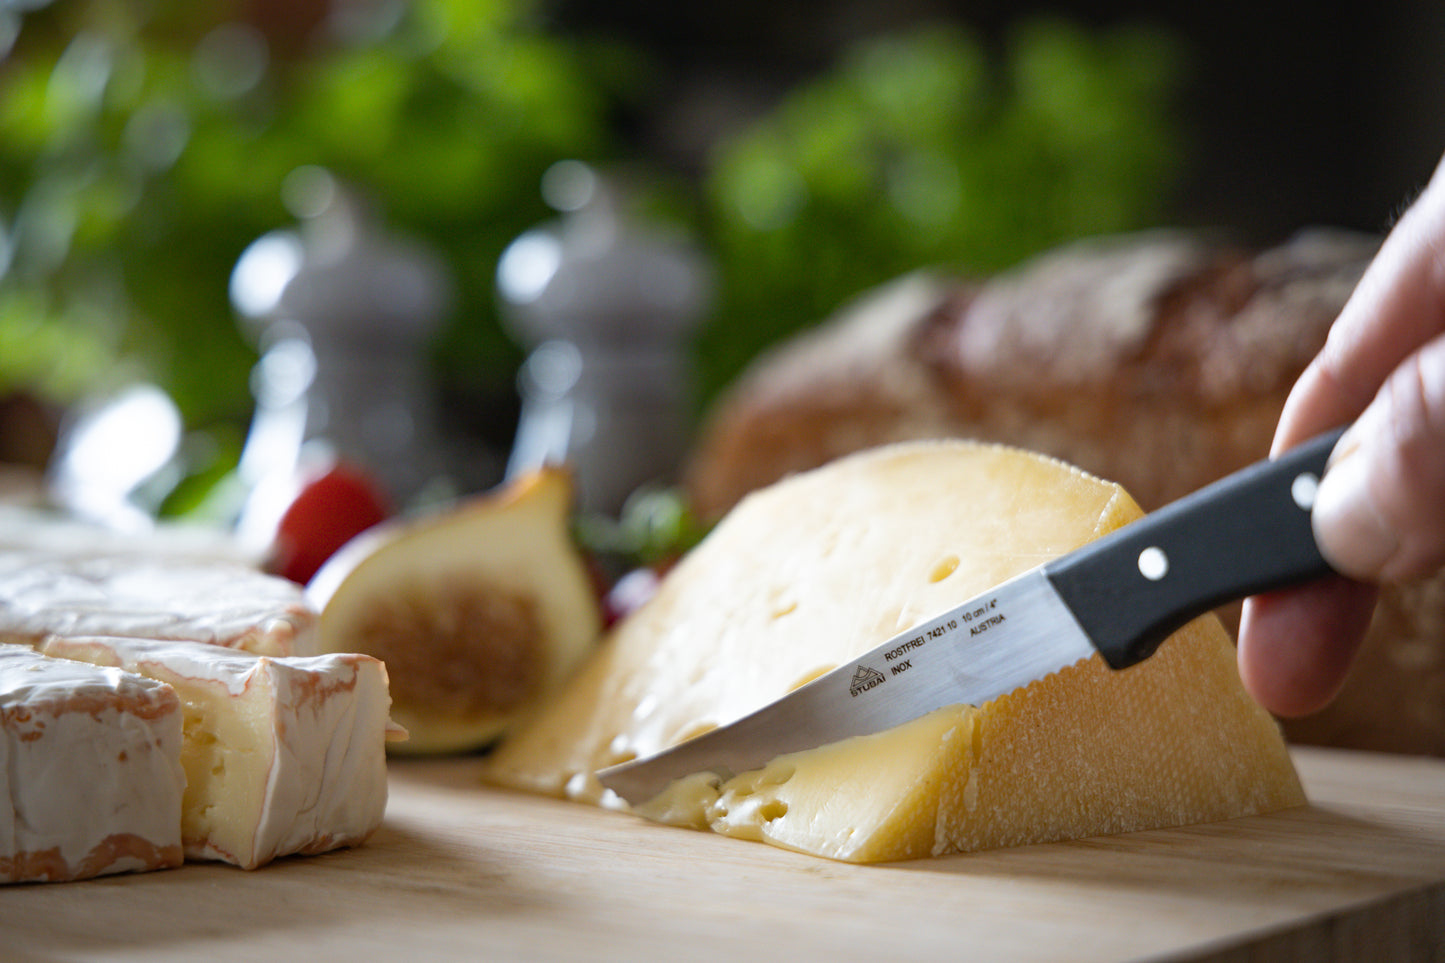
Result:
1119,596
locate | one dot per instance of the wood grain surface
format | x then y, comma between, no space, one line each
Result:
462,872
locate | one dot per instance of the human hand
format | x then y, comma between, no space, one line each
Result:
1380,512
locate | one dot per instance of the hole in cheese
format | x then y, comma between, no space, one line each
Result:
810,676
946,566
693,731
772,809
620,751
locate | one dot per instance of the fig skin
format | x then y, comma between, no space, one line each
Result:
480,610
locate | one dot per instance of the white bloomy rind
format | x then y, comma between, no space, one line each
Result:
215,601
90,774
282,755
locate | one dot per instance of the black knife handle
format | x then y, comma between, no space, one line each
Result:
1247,533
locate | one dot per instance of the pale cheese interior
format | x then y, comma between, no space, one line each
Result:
228,753
821,567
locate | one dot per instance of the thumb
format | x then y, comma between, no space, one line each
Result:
1379,514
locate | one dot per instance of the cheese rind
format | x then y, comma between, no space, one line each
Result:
90,775
282,755
219,602
810,573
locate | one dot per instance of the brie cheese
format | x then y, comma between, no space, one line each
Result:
90,774
281,755
218,602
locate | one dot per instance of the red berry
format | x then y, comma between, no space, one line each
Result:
328,512
630,593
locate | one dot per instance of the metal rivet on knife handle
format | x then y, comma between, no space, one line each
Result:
1245,534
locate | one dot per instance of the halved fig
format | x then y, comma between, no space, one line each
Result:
479,611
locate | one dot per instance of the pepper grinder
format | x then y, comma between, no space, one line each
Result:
342,312
607,306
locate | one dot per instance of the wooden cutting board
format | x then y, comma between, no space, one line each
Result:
461,872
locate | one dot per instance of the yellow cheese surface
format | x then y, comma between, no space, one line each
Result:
821,567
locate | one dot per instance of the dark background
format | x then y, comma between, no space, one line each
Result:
1298,114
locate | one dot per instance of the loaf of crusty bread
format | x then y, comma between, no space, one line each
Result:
1159,360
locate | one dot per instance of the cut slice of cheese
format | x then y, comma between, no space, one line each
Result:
811,572
90,773
281,755
47,591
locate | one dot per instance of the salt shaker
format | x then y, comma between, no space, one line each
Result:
342,312
607,306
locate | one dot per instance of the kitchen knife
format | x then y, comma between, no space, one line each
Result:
1119,596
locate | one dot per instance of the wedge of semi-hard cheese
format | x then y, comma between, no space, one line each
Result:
805,575
221,602
281,755
90,772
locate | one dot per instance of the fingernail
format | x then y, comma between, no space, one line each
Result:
1352,532
1348,444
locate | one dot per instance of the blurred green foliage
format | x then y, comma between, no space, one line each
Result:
932,148
144,145
655,527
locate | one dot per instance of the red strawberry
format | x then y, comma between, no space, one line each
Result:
328,512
